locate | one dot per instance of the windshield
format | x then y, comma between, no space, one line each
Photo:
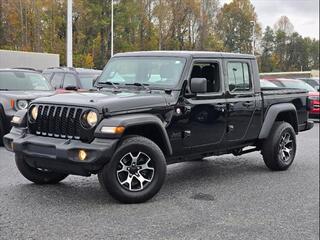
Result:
23,81
267,84
87,80
158,72
298,84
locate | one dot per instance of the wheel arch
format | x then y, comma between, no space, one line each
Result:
286,112
146,125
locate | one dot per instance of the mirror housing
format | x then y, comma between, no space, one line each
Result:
198,85
71,88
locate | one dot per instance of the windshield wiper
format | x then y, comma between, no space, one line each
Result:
108,83
144,85
4,89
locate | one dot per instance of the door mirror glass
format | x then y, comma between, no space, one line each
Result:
198,85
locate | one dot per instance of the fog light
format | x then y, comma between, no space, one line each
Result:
16,120
82,155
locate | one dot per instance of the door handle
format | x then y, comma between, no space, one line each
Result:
248,104
221,105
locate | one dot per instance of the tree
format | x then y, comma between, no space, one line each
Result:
284,25
208,14
40,25
234,25
267,45
280,51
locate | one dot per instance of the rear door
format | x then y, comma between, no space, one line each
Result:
241,101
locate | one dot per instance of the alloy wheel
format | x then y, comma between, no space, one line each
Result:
286,147
135,171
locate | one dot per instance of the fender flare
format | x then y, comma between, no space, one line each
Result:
272,115
133,120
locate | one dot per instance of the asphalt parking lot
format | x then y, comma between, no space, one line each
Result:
225,197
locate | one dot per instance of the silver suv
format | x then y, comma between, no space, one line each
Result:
18,87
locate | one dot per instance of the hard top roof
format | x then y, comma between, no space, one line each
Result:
193,54
71,69
18,70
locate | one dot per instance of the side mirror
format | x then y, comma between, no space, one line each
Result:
198,85
71,88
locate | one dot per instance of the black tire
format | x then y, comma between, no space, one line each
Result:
38,176
274,155
144,151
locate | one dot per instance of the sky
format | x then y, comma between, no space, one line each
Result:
304,14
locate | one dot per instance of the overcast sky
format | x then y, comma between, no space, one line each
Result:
304,14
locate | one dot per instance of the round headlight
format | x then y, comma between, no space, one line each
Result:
92,118
34,113
22,104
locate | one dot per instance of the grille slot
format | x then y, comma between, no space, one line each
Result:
60,122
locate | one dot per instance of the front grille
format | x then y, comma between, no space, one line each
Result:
60,122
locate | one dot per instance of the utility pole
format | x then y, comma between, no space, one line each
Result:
111,28
253,23
69,34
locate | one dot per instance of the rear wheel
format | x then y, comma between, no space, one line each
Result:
279,148
136,171
38,176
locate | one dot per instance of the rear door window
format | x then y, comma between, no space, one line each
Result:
239,77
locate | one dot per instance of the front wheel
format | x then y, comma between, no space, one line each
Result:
136,171
38,176
279,149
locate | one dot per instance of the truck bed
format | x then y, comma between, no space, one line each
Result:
298,97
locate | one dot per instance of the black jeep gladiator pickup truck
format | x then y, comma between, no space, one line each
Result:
152,109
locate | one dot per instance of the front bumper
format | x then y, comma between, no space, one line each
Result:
60,155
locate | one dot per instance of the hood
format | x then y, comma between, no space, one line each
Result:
111,101
26,95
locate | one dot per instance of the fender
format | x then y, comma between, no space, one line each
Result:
272,115
134,120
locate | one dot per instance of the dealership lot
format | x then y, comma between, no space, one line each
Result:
225,197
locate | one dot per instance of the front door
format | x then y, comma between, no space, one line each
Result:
202,123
